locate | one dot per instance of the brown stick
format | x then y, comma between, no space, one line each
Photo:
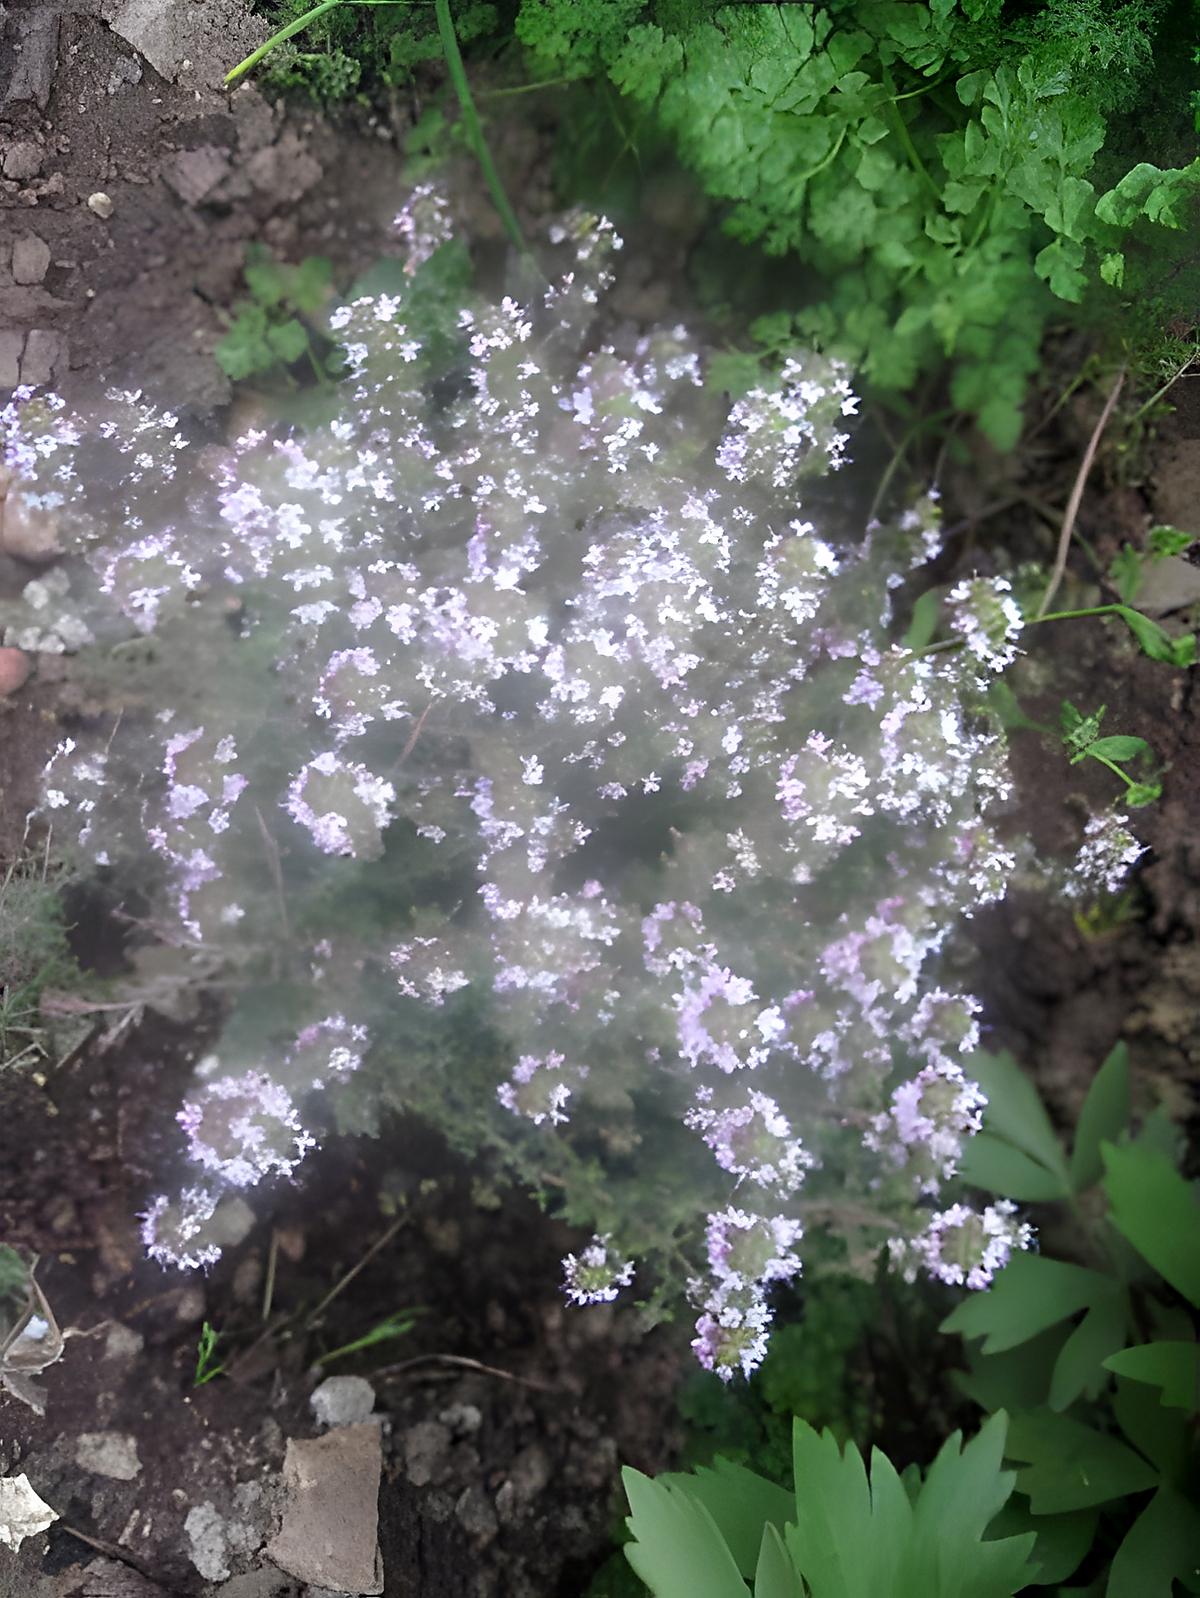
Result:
462,1363
1072,510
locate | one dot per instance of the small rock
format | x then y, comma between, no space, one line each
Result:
45,357
427,1452
463,1419
247,1279
342,1401
330,1528
101,204
14,671
195,173
210,1546
11,345
108,1578
27,531
111,1454
232,1222
127,71
22,161
530,1473
30,259
476,1515
22,1513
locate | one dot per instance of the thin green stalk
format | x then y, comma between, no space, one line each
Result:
298,26
473,126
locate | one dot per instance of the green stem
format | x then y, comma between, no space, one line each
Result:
473,126
298,26
895,116
1113,767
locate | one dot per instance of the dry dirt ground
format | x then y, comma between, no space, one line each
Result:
131,183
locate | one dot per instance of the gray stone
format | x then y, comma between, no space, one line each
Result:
342,1401
183,40
463,1419
193,174
45,357
122,1342
330,1527
100,204
30,259
232,1222
427,1452
11,345
22,161
205,1528
1170,583
111,1454
264,1583
530,1473
108,1578
34,62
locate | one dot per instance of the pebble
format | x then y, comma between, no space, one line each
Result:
343,1401
112,1454
30,259
14,671
44,358
101,204
22,161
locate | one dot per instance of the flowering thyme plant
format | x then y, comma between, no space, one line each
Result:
532,759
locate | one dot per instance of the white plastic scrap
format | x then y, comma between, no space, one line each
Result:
22,1512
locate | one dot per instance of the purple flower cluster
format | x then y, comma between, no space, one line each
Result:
563,629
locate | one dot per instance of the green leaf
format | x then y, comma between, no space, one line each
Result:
990,1163
308,285
1173,1367
961,1497
1079,1367
1104,1116
740,1503
1155,641
1119,747
1070,1466
1062,1540
1163,541
676,1549
1161,1547
927,608
265,279
1015,1112
774,1574
1112,269
287,341
1125,572
1152,1206
1019,1378
1029,1295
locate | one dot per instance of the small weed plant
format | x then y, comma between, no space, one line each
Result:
526,744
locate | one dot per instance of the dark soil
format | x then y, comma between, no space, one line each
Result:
497,1480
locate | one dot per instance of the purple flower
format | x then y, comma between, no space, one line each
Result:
596,1274
244,1128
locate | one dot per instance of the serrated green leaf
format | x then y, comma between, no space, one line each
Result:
1118,747
1070,1466
1172,1367
1152,639
1162,1546
1029,1295
774,1574
1062,1540
308,285
1104,1116
676,1549
1018,1379
1015,1112
740,1503
961,1496
287,341
1112,269
265,279
1079,1367
997,1167
1157,1210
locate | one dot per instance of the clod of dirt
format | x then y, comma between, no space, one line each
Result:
330,1530
343,1401
113,1454
14,671
22,161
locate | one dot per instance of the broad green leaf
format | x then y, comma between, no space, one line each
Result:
1162,1546
1062,1540
1152,1205
740,1503
925,612
962,1495
774,1575
1173,1367
1018,1379
998,1167
677,1550
1164,1436
1015,1112
1030,1294
1119,747
1154,640
1104,1117
1070,1466
1100,1333
830,1542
